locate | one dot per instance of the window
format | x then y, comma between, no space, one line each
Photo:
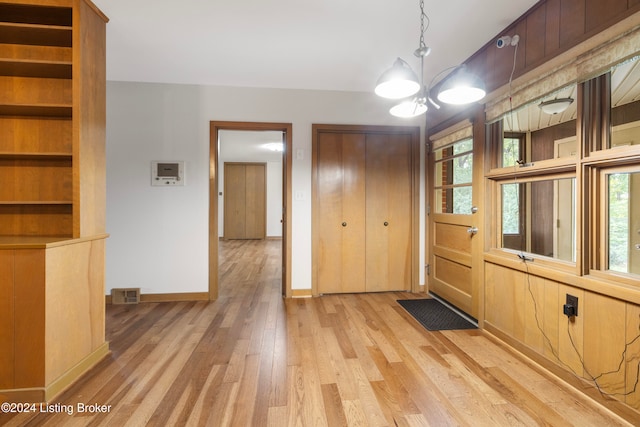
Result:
623,221
454,175
538,217
534,169
512,150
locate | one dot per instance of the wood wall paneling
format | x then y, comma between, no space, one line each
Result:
572,21
529,308
599,13
632,364
603,343
535,31
552,27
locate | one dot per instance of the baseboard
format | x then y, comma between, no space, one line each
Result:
47,393
172,297
221,238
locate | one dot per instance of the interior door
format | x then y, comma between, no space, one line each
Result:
388,212
244,200
340,201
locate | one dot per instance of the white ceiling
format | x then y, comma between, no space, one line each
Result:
339,45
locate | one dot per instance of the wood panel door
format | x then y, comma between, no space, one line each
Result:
244,200
456,216
388,212
340,195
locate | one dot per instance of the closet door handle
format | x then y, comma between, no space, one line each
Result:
344,224
386,223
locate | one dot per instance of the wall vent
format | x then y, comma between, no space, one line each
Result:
125,296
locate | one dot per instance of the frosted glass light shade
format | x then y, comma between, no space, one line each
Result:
555,106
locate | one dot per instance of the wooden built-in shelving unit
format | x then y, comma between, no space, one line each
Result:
52,194
36,104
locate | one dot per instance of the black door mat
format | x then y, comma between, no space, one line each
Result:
434,315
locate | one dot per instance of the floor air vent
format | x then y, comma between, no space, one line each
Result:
125,296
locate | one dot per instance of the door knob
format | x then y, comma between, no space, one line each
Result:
472,230
386,223
344,224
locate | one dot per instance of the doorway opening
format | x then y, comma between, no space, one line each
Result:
225,146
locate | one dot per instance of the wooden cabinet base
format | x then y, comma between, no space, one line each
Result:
46,394
52,312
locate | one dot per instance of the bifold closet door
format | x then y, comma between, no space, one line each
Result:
245,201
388,212
341,212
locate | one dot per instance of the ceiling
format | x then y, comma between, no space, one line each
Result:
341,45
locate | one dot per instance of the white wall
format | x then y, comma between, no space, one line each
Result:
159,236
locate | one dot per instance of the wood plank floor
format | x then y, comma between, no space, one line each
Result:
254,359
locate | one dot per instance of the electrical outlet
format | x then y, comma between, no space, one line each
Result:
570,309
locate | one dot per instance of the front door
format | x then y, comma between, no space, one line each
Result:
454,224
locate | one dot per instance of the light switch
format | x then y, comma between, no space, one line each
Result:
299,154
299,195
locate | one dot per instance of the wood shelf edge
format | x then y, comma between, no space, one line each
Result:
44,242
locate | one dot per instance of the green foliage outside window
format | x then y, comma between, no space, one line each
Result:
619,222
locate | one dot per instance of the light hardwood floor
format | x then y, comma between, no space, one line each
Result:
254,359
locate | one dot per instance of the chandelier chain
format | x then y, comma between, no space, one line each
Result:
423,27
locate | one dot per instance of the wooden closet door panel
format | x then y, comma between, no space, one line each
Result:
234,201
255,201
340,195
388,212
